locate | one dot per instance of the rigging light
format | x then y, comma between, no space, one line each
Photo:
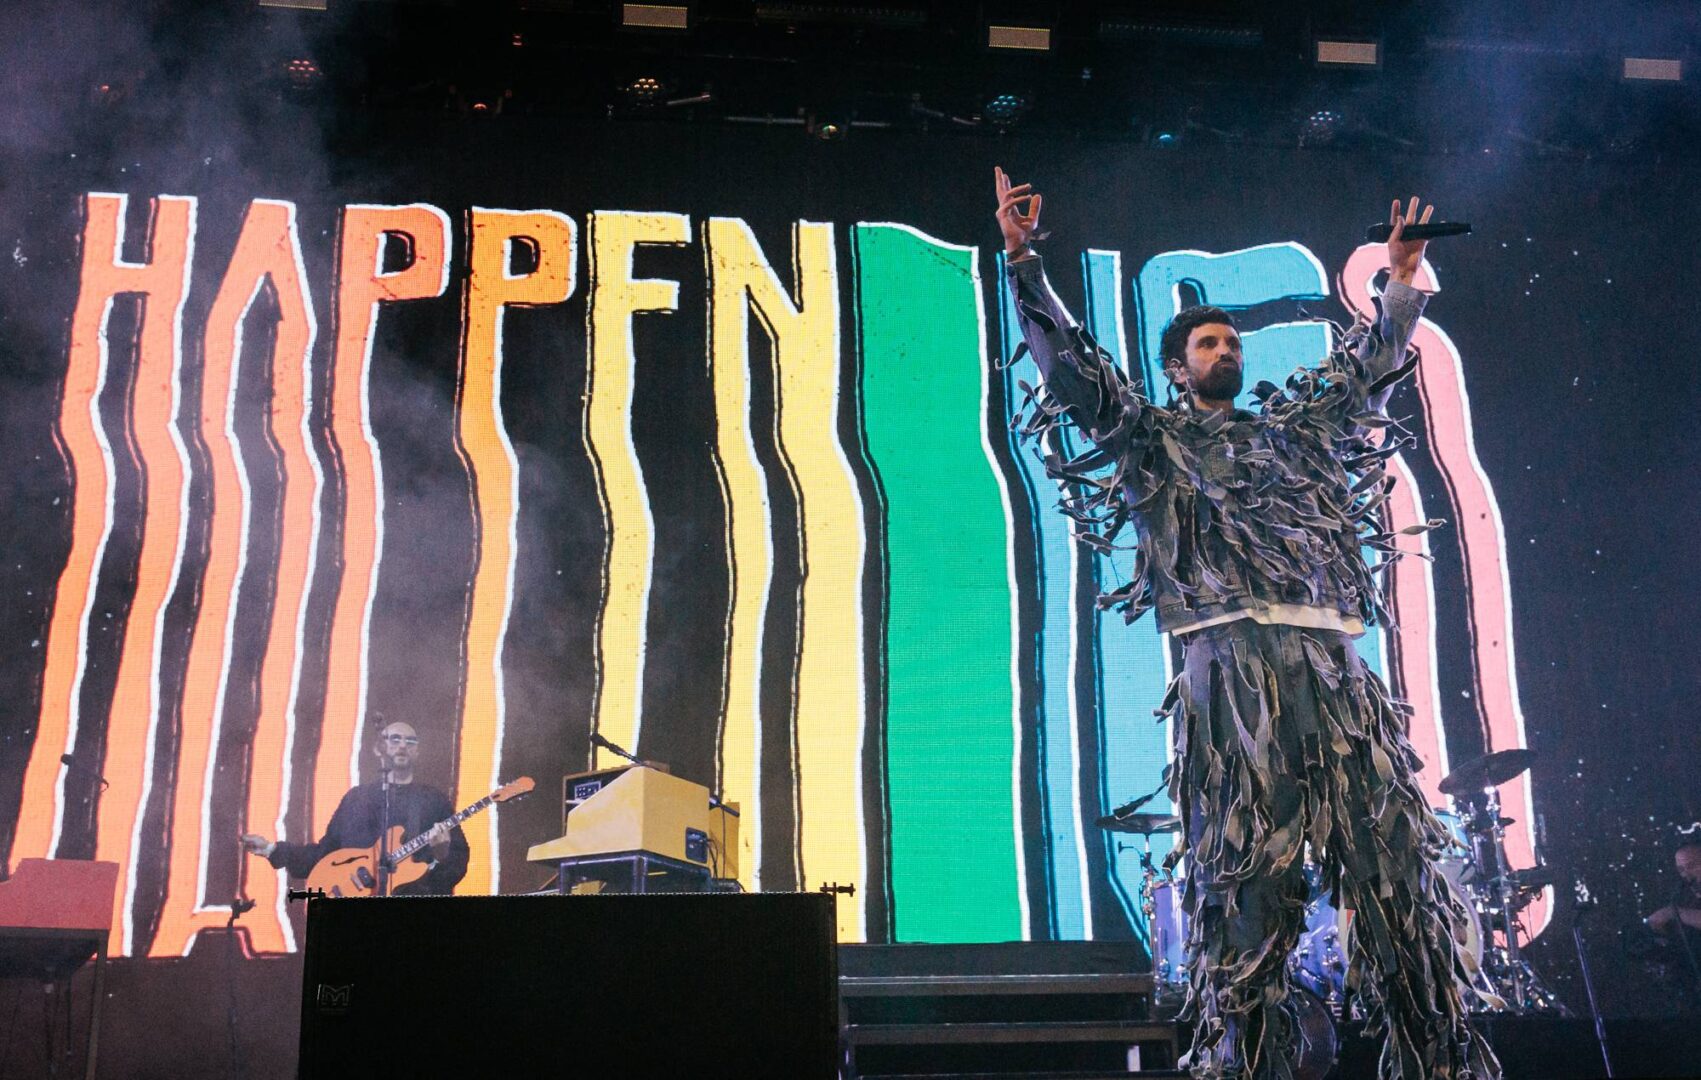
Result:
1351,54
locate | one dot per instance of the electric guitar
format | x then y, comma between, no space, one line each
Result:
355,871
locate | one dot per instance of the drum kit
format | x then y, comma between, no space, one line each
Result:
1473,865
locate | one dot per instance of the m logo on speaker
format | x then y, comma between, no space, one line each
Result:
335,999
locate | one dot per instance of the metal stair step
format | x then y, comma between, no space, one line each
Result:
1148,1074
991,1033
976,985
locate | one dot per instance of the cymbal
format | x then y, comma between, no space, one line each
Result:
1477,826
1490,770
1145,824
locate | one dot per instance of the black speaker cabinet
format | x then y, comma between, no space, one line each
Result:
669,985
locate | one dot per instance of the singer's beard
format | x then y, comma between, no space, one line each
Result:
1221,383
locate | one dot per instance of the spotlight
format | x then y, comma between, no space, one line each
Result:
645,90
485,100
109,94
1165,140
303,73
1005,109
827,127
1321,128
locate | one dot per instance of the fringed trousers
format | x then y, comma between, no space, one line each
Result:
1286,740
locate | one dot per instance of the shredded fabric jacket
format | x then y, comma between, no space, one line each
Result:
1234,511
1288,749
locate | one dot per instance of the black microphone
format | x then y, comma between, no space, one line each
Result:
1381,231
618,751
75,768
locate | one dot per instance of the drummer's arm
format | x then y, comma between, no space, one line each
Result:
1667,918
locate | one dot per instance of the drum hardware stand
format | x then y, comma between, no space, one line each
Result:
1149,876
1500,897
1128,819
1494,890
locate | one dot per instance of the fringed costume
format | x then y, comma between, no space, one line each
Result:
1250,532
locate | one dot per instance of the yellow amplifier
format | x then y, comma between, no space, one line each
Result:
645,809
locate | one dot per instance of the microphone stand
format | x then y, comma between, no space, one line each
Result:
1583,905
384,839
74,767
238,907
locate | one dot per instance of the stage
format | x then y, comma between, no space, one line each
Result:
497,448
939,1012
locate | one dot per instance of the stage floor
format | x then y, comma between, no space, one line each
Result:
204,1018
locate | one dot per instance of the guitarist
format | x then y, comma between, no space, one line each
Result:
355,824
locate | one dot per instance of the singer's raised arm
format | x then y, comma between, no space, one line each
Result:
1079,377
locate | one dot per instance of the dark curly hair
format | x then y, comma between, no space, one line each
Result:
1174,343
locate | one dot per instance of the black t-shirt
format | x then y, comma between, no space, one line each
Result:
415,807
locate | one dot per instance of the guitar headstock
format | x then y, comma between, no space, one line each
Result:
514,789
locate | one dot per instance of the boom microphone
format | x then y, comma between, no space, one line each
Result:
618,751
1381,231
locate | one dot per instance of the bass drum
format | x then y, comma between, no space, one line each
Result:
1319,961
1315,1044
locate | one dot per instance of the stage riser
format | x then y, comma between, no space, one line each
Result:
1008,1009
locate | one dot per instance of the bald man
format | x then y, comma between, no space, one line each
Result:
417,808
1687,911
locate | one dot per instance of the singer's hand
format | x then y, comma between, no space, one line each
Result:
1663,920
255,844
1405,256
1016,225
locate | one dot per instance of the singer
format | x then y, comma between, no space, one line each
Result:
1251,526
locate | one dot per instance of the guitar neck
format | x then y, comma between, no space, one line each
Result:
419,841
